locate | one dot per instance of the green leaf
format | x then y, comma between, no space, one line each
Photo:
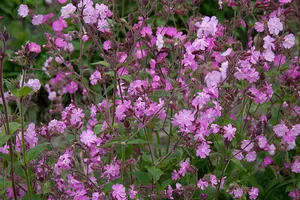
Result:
35,197
13,126
33,153
110,143
5,157
127,78
110,73
98,128
24,91
104,63
238,163
155,173
142,178
11,88
137,141
4,138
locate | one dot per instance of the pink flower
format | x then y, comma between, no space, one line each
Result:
251,156
247,145
146,31
213,181
280,130
119,192
132,192
76,116
296,166
111,171
90,15
213,78
259,27
106,45
229,132
268,42
285,1
253,193
33,47
258,96
95,77
72,87
183,118
238,192
175,175
269,55
88,137
103,25
202,184
103,11
203,150
275,26
184,166
59,42
238,154
208,26
289,41
67,10
37,19
61,1
35,84
59,25
23,10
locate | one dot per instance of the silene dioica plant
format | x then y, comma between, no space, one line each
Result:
179,110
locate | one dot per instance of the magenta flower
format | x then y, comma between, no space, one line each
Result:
132,192
280,130
119,192
229,132
95,77
23,10
238,192
33,47
202,184
59,25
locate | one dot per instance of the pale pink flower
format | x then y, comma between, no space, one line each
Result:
289,41
296,166
202,184
268,42
88,137
67,10
35,84
23,10
33,47
275,25
259,27
251,156
280,130
159,42
238,192
213,78
37,19
183,118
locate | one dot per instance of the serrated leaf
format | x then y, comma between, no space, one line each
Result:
155,173
104,63
137,141
33,153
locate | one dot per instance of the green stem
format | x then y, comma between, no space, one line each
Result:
123,162
11,152
23,141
